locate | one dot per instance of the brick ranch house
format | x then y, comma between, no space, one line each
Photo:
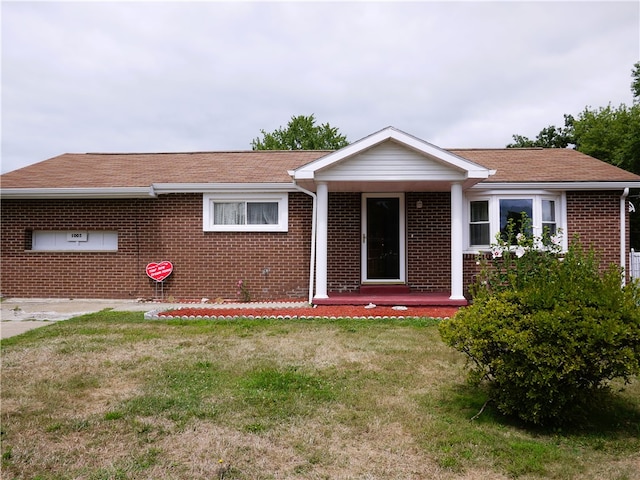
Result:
389,212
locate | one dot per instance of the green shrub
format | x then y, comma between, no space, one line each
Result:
546,333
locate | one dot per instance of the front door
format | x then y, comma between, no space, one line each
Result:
383,239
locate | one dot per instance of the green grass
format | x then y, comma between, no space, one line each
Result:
112,396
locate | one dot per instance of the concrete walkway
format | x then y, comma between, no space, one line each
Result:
18,315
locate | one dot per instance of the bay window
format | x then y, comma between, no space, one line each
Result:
490,215
479,228
549,225
513,212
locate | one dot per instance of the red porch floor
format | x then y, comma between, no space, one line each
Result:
413,299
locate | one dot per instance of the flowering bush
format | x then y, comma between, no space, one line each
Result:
243,291
546,333
515,258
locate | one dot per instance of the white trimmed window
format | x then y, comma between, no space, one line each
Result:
489,216
74,241
231,212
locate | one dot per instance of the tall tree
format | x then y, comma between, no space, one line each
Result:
635,85
610,134
301,133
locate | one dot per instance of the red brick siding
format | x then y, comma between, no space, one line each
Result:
206,264
343,242
595,218
470,268
275,265
429,241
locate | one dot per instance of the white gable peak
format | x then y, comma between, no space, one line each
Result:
391,155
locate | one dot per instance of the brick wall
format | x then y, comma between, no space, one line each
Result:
274,265
343,242
429,241
595,217
206,264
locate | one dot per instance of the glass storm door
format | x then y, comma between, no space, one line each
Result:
383,238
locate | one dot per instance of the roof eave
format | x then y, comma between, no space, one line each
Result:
566,185
143,192
166,188
105,192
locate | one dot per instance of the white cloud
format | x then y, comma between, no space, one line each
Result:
209,75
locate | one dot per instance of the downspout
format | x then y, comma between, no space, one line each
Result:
623,234
312,262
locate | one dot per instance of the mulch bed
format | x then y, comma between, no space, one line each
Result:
322,311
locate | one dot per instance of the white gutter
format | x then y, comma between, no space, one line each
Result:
312,261
164,188
623,234
143,192
102,192
556,185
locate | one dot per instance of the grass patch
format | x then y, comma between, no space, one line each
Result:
111,395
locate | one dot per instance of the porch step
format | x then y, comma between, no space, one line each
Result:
384,289
408,299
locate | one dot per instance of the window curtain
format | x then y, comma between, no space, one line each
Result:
548,217
262,213
228,213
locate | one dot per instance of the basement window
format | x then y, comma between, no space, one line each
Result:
245,213
73,241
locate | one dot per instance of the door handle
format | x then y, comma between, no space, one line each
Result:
364,238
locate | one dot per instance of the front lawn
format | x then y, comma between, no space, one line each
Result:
112,396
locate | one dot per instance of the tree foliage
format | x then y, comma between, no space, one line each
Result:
301,133
610,134
549,137
546,336
635,85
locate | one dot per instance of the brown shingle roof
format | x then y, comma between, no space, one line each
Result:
102,170
544,165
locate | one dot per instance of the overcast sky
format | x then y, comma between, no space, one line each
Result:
202,76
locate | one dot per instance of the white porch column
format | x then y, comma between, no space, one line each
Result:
457,225
322,193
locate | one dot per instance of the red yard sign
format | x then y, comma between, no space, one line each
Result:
159,271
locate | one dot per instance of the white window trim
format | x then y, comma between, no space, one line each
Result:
494,214
209,199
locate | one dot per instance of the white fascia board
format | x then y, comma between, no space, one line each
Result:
307,171
166,188
556,186
473,170
36,193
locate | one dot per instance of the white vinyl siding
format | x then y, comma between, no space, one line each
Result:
390,162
